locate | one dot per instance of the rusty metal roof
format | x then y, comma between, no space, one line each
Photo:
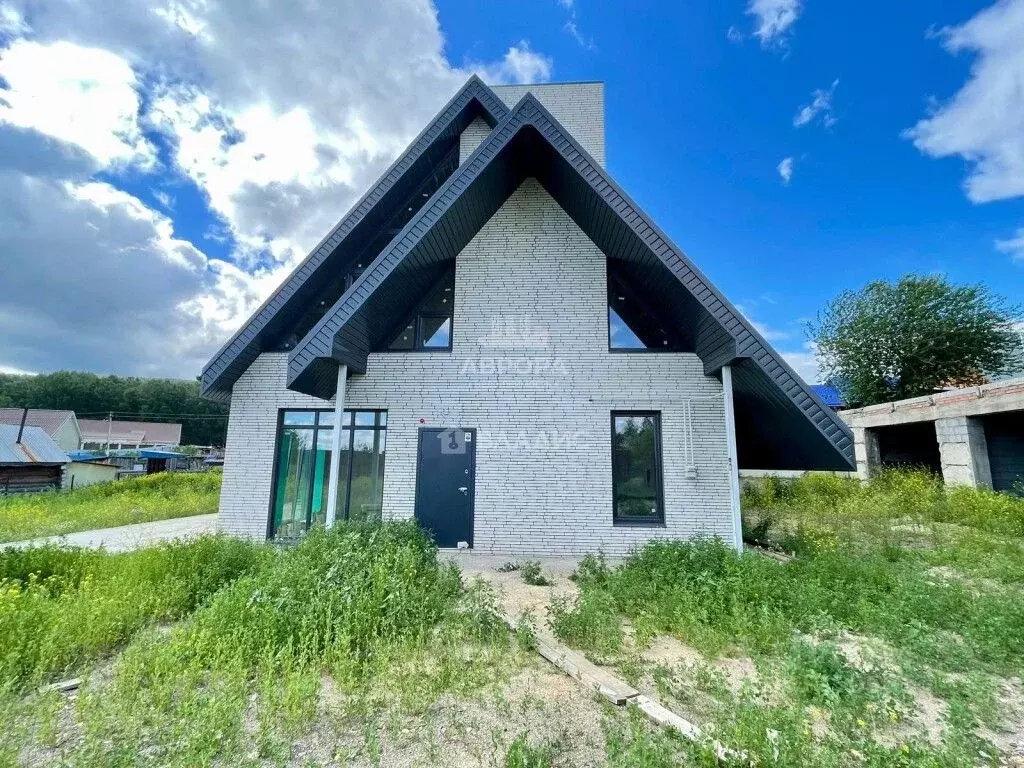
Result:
35,447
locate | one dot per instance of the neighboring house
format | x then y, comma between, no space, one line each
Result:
829,395
497,341
972,436
101,434
30,460
87,469
61,426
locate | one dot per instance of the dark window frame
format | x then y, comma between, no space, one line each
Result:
648,520
417,316
316,427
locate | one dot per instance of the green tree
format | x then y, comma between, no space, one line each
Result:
889,341
131,399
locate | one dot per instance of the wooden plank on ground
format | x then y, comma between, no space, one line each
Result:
580,667
588,673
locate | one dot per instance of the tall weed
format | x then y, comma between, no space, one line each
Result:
62,607
368,604
122,502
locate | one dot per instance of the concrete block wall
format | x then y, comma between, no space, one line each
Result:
963,452
530,369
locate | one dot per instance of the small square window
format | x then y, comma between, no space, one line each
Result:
436,332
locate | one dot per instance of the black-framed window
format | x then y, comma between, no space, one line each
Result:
303,462
429,328
637,490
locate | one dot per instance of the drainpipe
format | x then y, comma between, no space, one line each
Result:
21,429
335,471
734,471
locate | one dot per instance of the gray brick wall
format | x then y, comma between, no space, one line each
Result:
472,137
531,370
579,107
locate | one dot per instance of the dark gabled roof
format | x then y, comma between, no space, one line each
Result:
344,242
781,424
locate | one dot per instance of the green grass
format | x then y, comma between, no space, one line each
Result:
366,609
105,505
62,608
865,567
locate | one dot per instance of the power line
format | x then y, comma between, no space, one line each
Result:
155,415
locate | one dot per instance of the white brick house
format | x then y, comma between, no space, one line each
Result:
525,363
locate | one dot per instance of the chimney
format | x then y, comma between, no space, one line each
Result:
21,429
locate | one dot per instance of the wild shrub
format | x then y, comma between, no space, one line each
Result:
533,575
592,569
62,607
523,754
718,600
592,624
370,604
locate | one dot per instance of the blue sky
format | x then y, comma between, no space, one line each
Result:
168,166
697,124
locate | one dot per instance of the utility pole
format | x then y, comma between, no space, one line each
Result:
110,425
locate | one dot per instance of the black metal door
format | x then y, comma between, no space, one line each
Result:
445,475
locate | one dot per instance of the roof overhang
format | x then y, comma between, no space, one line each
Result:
781,423
345,241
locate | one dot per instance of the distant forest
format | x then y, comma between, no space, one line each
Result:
93,397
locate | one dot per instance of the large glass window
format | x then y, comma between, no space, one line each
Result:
303,466
636,467
430,327
633,325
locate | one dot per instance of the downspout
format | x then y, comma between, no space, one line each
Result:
334,474
734,471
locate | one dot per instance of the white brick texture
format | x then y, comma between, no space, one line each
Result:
531,371
579,107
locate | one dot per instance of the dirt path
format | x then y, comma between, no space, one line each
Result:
128,537
514,595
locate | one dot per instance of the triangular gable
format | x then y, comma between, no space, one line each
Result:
782,424
330,255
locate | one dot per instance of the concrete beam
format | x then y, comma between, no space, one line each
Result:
997,397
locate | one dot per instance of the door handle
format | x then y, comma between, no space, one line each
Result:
464,490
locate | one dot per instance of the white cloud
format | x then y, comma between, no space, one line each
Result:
98,281
519,65
84,96
785,169
984,121
805,363
571,26
281,114
11,21
775,19
1013,246
733,35
821,105
769,333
